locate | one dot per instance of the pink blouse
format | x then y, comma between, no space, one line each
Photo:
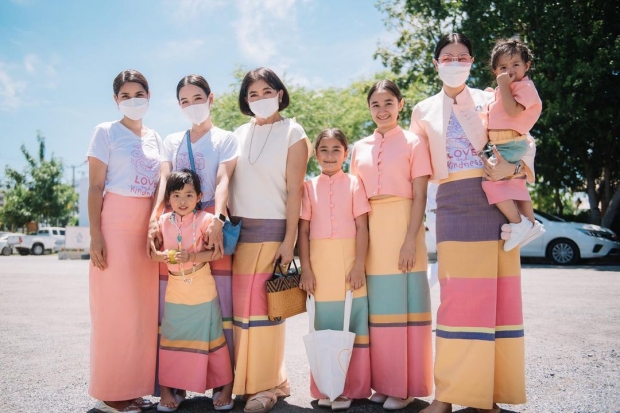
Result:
169,232
525,94
331,204
387,165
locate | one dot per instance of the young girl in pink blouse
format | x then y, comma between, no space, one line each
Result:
192,353
333,241
394,167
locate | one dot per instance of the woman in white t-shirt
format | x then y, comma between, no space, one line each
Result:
266,193
214,153
124,158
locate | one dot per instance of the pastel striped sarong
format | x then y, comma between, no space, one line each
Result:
480,344
331,261
399,305
123,304
259,343
222,273
192,353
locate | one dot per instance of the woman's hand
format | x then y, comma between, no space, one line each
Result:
356,278
98,251
285,254
307,281
214,238
498,170
406,258
154,239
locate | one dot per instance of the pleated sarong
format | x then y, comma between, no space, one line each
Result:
399,305
192,352
123,304
258,342
480,344
332,260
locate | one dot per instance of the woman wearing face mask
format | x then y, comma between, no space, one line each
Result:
123,159
266,193
479,358
214,153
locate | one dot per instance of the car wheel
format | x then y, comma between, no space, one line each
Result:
563,252
6,251
23,251
37,249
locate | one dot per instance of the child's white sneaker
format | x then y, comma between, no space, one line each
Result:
518,232
536,231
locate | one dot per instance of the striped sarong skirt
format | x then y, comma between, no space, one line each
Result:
399,305
258,342
192,352
479,336
331,261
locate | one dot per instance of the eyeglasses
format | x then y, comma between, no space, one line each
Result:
448,58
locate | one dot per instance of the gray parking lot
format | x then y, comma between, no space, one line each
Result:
572,324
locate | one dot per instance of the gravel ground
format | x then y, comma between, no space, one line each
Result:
572,322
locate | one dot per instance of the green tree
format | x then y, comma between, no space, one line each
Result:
38,193
576,71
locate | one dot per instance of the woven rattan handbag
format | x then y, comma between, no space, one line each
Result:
284,297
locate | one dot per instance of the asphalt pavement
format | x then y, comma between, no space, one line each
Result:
572,327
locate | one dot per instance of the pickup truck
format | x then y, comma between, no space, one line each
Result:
44,239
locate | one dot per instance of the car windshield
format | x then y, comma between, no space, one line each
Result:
549,216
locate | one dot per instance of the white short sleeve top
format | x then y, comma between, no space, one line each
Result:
258,186
212,149
133,162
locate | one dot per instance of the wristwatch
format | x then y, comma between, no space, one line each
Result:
220,217
518,167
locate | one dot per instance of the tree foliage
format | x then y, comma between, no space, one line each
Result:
576,70
37,194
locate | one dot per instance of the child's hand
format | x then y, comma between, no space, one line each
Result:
307,281
505,79
182,256
356,278
406,259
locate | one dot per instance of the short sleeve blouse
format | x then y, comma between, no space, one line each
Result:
331,204
133,161
169,233
388,164
525,93
214,148
258,186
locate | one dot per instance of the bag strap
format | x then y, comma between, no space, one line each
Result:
348,303
189,151
311,309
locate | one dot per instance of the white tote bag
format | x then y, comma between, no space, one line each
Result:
329,351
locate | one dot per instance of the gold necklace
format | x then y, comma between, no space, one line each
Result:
261,150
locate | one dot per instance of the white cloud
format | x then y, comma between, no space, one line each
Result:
11,90
264,28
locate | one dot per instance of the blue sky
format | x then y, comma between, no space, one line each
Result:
58,58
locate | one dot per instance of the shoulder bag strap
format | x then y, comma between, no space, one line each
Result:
189,151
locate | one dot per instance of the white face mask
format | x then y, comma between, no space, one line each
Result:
454,74
197,113
134,108
265,107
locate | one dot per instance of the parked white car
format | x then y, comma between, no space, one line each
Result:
44,240
8,241
564,243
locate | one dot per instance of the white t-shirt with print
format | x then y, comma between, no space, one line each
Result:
461,153
212,149
133,162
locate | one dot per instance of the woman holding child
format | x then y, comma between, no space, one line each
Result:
479,337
